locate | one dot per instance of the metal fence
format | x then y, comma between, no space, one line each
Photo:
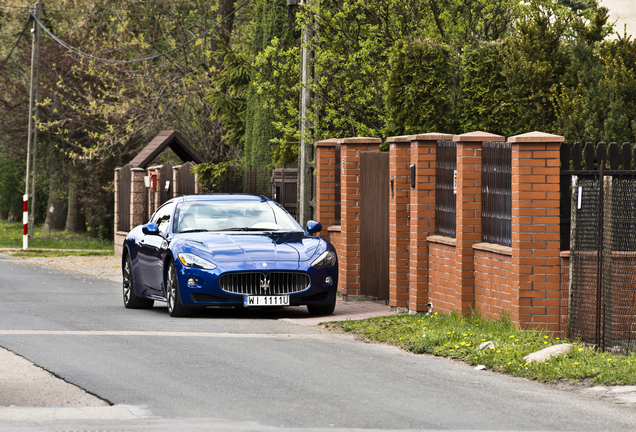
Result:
603,246
285,188
253,181
445,188
496,193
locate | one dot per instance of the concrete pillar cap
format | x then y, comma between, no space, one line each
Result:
431,136
396,139
478,136
536,136
360,140
331,142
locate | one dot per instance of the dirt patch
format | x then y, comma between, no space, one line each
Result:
98,266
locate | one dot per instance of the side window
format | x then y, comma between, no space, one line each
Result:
162,218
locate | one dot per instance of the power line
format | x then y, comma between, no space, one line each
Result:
18,41
123,12
139,60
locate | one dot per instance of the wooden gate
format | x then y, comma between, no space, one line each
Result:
186,179
123,223
166,187
374,224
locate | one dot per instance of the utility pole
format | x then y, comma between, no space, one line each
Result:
32,140
306,187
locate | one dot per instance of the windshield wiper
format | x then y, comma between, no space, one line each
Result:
247,229
193,230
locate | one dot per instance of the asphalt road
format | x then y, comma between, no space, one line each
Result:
233,370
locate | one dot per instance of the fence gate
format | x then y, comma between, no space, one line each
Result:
186,179
603,247
167,186
374,224
124,198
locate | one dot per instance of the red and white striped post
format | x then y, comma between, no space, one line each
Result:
25,222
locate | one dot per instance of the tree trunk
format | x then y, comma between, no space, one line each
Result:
75,220
224,31
56,209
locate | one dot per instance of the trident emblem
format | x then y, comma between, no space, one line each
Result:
264,283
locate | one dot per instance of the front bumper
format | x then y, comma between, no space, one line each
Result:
206,290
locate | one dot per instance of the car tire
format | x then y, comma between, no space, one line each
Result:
173,298
132,300
321,309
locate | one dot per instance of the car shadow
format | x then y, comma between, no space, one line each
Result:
274,313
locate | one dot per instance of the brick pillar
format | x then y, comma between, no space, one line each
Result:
116,214
349,257
196,183
422,215
399,221
326,165
137,197
468,214
535,230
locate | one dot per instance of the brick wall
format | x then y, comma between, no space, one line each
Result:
442,274
527,281
492,280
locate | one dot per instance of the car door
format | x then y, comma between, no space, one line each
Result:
152,249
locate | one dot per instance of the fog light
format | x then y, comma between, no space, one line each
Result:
328,280
192,282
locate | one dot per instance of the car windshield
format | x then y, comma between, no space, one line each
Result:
198,216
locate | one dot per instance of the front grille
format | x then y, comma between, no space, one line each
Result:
257,283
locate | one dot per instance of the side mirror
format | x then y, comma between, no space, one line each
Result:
150,229
313,227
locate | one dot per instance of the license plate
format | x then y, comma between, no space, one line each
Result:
280,300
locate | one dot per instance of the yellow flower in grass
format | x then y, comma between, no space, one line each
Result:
577,363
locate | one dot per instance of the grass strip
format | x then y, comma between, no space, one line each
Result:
50,253
11,234
458,337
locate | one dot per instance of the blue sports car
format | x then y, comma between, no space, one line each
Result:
228,250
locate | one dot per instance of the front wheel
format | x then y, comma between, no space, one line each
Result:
321,309
131,300
175,307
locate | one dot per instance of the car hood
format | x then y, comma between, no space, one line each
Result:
244,247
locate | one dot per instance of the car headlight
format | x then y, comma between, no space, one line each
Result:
325,259
191,260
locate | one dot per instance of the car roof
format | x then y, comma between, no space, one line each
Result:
221,197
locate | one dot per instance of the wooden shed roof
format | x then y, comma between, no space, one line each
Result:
169,138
